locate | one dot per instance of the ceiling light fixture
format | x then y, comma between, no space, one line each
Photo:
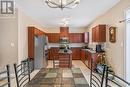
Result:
62,3
65,22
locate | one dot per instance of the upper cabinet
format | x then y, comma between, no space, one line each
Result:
32,32
53,37
76,37
99,33
64,32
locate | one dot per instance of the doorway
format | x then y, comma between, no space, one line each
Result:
127,47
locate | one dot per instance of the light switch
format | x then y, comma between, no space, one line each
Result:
12,44
121,44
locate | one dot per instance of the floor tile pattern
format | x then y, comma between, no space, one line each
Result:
59,77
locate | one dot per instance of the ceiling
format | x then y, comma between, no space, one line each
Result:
80,16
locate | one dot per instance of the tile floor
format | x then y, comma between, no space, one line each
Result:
76,64
60,77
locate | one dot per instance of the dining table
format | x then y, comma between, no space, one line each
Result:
59,77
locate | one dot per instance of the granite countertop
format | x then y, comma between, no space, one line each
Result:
62,51
90,50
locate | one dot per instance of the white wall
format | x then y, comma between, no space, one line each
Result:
8,40
115,51
13,29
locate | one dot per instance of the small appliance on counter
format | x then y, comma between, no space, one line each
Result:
99,48
85,46
64,46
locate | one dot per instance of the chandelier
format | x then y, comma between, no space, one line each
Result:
62,3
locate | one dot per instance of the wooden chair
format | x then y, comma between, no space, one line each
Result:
96,79
116,81
5,80
22,73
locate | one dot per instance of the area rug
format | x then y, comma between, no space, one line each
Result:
59,77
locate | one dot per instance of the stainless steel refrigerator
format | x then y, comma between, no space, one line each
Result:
41,52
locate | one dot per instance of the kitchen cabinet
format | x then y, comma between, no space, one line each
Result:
65,60
86,58
64,32
99,33
53,37
32,32
54,50
76,51
83,55
76,37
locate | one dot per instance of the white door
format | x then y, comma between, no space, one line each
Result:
128,45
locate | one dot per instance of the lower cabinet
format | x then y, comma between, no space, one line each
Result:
83,55
76,53
65,60
86,58
54,50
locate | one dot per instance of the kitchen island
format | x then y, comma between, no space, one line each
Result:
65,58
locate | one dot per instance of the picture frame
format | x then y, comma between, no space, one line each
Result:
112,34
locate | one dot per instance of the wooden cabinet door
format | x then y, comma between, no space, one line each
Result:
71,38
81,38
32,32
64,32
53,52
76,53
31,42
83,55
93,35
89,59
76,37
53,37
102,33
99,33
